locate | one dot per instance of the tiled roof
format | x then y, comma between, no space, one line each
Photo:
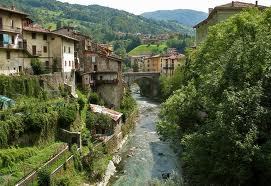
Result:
36,28
234,5
238,4
114,115
13,11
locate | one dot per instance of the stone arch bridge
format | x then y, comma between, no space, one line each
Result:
148,82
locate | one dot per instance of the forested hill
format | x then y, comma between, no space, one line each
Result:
182,16
103,23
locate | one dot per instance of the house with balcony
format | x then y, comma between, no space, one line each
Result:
219,14
36,42
169,63
11,41
152,64
98,68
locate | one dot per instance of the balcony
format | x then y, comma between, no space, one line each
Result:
8,28
18,46
99,82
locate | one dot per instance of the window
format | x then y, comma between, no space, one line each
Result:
69,63
12,40
65,63
64,49
101,77
34,35
12,23
93,59
69,49
44,49
47,64
8,54
45,37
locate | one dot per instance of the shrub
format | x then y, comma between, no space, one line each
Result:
67,115
62,181
36,66
93,98
44,178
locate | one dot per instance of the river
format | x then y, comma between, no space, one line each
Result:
145,156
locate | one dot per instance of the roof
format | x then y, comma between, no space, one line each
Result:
114,115
13,11
36,28
234,5
65,36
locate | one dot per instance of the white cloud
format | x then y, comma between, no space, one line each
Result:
140,6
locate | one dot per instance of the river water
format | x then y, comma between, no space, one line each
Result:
145,157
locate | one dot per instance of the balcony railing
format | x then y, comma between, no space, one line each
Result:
11,46
99,82
8,28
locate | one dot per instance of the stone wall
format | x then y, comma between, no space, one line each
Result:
111,93
70,137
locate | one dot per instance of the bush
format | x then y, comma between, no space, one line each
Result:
62,181
36,66
44,178
67,115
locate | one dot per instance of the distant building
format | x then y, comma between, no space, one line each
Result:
218,14
169,63
152,64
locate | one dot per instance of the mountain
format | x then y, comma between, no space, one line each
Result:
182,16
102,23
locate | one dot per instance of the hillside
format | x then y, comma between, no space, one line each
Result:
182,16
148,49
102,23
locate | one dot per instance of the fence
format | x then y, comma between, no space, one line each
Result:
30,178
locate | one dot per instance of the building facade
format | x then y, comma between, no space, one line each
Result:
218,14
11,41
169,63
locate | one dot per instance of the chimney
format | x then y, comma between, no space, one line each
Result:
210,10
13,7
232,3
256,3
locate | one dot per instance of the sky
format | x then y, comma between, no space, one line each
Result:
140,6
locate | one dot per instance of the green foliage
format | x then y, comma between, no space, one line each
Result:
128,105
36,66
97,119
148,49
44,178
94,98
13,86
63,181
220,116
22,161
67,115
104,23
76,158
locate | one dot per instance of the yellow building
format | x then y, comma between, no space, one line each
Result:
11,41
170,63
218,14
152,64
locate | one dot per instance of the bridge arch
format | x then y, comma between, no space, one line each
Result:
147,81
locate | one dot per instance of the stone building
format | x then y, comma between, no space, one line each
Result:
218,14
169,63
152,64
99,68
11,41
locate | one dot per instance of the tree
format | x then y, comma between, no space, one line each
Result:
220,116
36,66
